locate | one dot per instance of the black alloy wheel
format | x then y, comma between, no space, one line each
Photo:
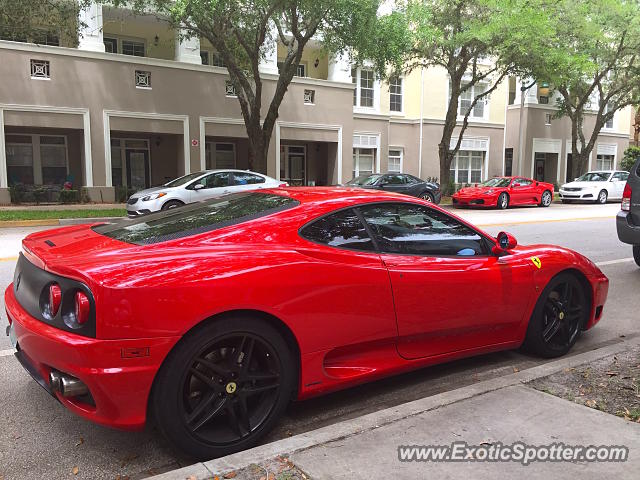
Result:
558,318
224,388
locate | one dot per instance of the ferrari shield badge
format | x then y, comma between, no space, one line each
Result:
536,261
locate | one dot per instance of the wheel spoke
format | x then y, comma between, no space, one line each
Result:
259,389
551,329
213,367
208,417
205,379
243,411
236,424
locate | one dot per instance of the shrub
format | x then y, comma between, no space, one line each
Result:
84,195
69,196
631,155
17,193
40,194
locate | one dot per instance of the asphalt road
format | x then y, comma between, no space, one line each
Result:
40,439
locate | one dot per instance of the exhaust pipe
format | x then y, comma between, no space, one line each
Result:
66,385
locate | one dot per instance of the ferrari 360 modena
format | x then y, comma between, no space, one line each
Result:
209,319
504,192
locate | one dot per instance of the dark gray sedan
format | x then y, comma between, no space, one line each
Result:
399,183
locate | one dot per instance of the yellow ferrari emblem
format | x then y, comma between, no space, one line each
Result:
536,261
561,316
231,387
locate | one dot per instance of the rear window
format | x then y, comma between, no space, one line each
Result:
196,218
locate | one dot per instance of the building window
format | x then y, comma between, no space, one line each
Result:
301,69
310,97
543,100
508,162
229,89
132,47
40,69
395,94
466,99
143,79
608,123
547,119
604,162
220,155
363,91
204,57
47,38
363,161
211,58
395,160
110,45
53,158
19,150
466,167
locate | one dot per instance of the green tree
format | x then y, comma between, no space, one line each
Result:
595,66
631,155
242,32
478,43
32,20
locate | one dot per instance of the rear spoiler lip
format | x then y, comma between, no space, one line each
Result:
32,257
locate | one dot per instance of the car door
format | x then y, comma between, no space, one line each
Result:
522,191
618,181
209,186
244,181
394,183
450,292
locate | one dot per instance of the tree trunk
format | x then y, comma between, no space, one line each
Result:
580,162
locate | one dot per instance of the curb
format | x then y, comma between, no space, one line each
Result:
218,467
55,222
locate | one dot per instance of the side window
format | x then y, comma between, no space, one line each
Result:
217,180
524,182
622,176
342,229
395,179
416,230
242,178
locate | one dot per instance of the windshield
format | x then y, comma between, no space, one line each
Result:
496,182
364,180
182,180
196,218
594,177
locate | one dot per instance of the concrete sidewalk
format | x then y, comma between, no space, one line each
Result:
503,410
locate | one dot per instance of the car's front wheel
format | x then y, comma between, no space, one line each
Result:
558,317
545,200
636,254
172,204
602,197
427,196
503,201
223,387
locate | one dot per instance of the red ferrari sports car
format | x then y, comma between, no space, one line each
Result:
212,317
503,192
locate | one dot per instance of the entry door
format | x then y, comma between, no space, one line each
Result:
539,172
293,168
138,169
449,292
569,177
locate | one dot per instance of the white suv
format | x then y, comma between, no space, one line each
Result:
598,186
195,187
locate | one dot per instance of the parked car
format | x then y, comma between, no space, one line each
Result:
503,192
212,317
628,219
597,186
195,187
399,183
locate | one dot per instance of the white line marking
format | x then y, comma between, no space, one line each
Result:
613,262
7,352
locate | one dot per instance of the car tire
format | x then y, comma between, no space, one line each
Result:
503,201
172,204
558,317
427,196
636,254
602,197
545,198
243,400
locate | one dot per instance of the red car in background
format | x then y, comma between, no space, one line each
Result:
503,192
210,318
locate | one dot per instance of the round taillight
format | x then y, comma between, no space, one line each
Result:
55,298
82,308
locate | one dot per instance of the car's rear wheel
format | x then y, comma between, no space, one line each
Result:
503,201
602,197
172,204
558,317
427,196
223,387
545,200
636,254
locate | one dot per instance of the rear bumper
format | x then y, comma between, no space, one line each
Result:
118,384
628,232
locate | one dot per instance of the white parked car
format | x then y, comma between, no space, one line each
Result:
195,187
597,186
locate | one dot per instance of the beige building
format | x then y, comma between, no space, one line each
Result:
131,105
